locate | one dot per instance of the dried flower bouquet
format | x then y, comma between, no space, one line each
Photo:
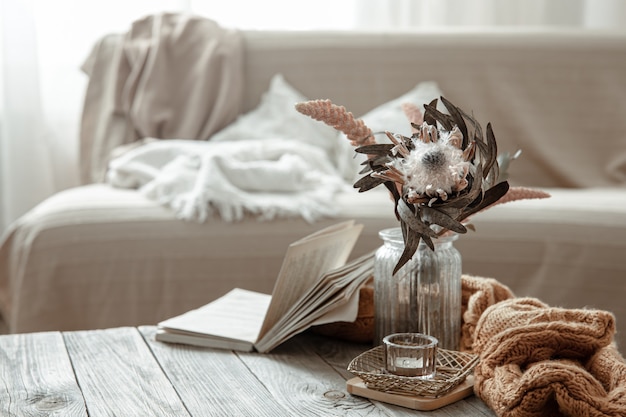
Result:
445,172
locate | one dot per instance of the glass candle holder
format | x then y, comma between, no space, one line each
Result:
411,354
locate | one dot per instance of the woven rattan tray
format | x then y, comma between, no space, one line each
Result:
452,369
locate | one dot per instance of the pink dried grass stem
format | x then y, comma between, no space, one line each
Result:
413,114
339,118
521,193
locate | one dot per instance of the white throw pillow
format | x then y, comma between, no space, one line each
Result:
276,118
386,117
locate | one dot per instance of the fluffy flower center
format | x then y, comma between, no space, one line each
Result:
433,169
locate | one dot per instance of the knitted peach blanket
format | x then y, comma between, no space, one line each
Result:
537,360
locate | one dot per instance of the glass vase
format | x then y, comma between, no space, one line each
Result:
424,296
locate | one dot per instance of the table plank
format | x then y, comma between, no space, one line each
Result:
37,377
119,376
338,354
303,383
213,382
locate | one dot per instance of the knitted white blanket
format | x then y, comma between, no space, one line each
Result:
269,178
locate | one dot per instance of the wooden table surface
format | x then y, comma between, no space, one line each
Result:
125,372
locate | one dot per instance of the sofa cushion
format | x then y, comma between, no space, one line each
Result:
276,118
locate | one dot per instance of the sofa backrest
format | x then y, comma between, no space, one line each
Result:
559,96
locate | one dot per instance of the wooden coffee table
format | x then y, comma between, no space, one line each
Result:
124,372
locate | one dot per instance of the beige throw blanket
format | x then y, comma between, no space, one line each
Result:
170,76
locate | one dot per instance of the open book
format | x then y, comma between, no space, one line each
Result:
315,286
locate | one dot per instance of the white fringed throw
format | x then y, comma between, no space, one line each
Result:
269,178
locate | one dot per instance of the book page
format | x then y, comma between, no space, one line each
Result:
171,336
329,300
304,265
347,312
345,309
319,296
238,315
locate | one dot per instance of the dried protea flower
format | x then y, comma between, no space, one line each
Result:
445,172
439,176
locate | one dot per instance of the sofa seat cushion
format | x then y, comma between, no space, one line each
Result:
96,256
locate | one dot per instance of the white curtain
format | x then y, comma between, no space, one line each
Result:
407,14
43,44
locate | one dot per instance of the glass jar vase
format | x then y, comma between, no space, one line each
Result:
424,296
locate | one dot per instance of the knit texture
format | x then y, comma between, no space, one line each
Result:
477,294
537,360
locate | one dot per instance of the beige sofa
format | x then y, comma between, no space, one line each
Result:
98,256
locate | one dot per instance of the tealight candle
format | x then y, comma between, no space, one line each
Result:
409,363
411,354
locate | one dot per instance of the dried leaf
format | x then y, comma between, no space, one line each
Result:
367,183
428,113
411,242
492,155
477,134
413,220
494,194
376,149
457,115
366,169
440,218
490,197
446,121
394,193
